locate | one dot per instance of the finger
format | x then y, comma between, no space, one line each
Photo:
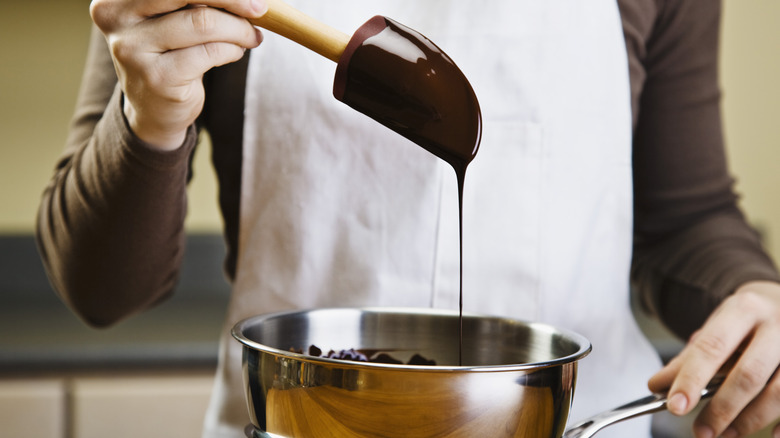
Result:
196,26
663,379
191,63
662,382
745,398
242,8
172,49
761,412
175,77
706,353
108,14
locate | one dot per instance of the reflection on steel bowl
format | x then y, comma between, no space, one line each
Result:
517,378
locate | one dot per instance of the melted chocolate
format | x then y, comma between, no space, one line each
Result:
367,355
401,79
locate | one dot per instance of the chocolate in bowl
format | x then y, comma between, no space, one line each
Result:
365,355
517,378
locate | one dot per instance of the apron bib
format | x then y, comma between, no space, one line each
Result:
338,210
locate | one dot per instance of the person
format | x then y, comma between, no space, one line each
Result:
602,159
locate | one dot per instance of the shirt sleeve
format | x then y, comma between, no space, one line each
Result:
110,226
692,244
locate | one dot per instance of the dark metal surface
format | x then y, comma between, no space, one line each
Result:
39,334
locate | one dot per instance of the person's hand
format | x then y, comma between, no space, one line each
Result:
161,50
741,338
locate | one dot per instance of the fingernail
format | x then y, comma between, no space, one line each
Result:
703,432
677,404
730,433
259,6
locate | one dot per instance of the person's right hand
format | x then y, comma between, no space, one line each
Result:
161,50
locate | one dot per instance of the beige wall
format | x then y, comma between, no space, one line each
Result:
750,66
42,45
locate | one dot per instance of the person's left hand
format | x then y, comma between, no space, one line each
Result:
742,338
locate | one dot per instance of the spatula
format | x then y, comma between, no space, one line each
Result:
394,75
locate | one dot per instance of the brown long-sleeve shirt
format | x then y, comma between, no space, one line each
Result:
110,225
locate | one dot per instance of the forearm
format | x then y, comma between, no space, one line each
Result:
110,224
686,276
692,245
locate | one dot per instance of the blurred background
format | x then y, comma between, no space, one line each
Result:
151,376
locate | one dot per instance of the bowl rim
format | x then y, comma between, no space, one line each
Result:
584,349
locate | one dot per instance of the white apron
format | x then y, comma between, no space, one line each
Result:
338,210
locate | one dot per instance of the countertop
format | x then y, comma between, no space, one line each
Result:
38,333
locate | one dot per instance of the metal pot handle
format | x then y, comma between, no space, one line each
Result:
653,403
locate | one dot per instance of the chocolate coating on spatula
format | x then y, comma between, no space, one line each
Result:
399,78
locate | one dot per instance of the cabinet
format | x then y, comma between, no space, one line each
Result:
139,406
168,405
32,408
118,406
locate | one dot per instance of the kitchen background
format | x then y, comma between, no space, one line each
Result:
151,376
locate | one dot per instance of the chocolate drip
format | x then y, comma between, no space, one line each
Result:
401,79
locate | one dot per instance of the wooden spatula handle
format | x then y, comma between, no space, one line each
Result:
293,24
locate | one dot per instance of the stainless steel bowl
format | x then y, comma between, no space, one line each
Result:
517,378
